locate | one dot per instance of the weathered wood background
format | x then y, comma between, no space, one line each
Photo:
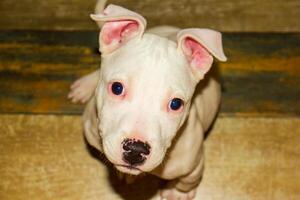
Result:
261,77
229,15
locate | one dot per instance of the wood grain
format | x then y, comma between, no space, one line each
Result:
261,76
45,157
228,16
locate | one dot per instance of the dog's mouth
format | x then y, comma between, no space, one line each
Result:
129,169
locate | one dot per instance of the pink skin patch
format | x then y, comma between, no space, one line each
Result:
197,55
118,31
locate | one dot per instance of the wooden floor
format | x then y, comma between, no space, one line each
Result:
44,157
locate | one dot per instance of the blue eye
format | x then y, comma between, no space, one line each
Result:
117,88
176,104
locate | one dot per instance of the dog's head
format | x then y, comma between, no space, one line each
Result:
146,85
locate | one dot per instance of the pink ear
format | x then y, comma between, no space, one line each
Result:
199,46
117,32
198,57
120,25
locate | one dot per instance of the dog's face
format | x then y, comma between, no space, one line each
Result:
143,98
145,90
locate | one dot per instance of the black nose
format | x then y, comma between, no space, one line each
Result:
135,151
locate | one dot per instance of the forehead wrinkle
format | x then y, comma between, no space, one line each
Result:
156,62
170,67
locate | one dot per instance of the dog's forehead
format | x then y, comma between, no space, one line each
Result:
153,59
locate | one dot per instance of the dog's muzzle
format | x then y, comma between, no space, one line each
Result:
135,151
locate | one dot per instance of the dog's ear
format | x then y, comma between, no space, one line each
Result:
120,25
199,46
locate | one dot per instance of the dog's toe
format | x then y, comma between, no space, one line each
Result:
79,94
75,84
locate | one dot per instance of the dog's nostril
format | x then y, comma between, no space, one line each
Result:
133,158
135,151
136,146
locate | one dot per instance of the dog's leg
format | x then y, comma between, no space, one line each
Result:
184,188
83,88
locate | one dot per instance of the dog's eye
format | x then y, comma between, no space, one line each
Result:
117,88
176,104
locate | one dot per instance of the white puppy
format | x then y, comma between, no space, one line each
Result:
146,114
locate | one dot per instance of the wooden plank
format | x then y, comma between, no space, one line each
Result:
44,157
37,68
229,16
260,93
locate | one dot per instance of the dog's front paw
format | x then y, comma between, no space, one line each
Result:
82,89
174,194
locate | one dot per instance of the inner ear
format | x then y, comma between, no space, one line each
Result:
198,57
120,25
117,32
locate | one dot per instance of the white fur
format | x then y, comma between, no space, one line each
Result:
153,68
158,73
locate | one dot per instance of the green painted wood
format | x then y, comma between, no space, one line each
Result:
261,77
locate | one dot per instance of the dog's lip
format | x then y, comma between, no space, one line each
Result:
130,167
